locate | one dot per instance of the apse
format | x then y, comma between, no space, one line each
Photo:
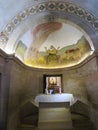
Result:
53,44
45,36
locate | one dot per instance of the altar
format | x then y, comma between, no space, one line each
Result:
63,97
54,111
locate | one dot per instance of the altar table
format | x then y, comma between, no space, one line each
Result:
53,112
63,97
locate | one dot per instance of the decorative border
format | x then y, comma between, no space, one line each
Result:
49,6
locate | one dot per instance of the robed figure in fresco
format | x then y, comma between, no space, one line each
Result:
52,55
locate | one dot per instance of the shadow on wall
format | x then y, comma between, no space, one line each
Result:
80,117
28,116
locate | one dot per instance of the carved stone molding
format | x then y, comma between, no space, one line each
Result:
75,70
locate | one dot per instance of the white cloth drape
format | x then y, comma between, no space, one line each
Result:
64,97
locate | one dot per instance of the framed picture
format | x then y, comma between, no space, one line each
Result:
52,84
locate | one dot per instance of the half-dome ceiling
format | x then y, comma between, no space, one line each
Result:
53,45
46,35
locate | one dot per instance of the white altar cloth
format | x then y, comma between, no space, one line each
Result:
64,97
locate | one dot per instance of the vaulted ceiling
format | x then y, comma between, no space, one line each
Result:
49,34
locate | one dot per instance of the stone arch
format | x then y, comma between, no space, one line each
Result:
69,11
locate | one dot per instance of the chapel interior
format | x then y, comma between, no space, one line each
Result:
49,65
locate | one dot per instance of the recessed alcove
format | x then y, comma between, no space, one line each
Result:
52,84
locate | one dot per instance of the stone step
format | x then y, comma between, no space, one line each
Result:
28,127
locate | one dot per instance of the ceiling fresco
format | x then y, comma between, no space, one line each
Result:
53,45
47,34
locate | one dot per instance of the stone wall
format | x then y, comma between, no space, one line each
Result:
92,88
25,83
5,68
